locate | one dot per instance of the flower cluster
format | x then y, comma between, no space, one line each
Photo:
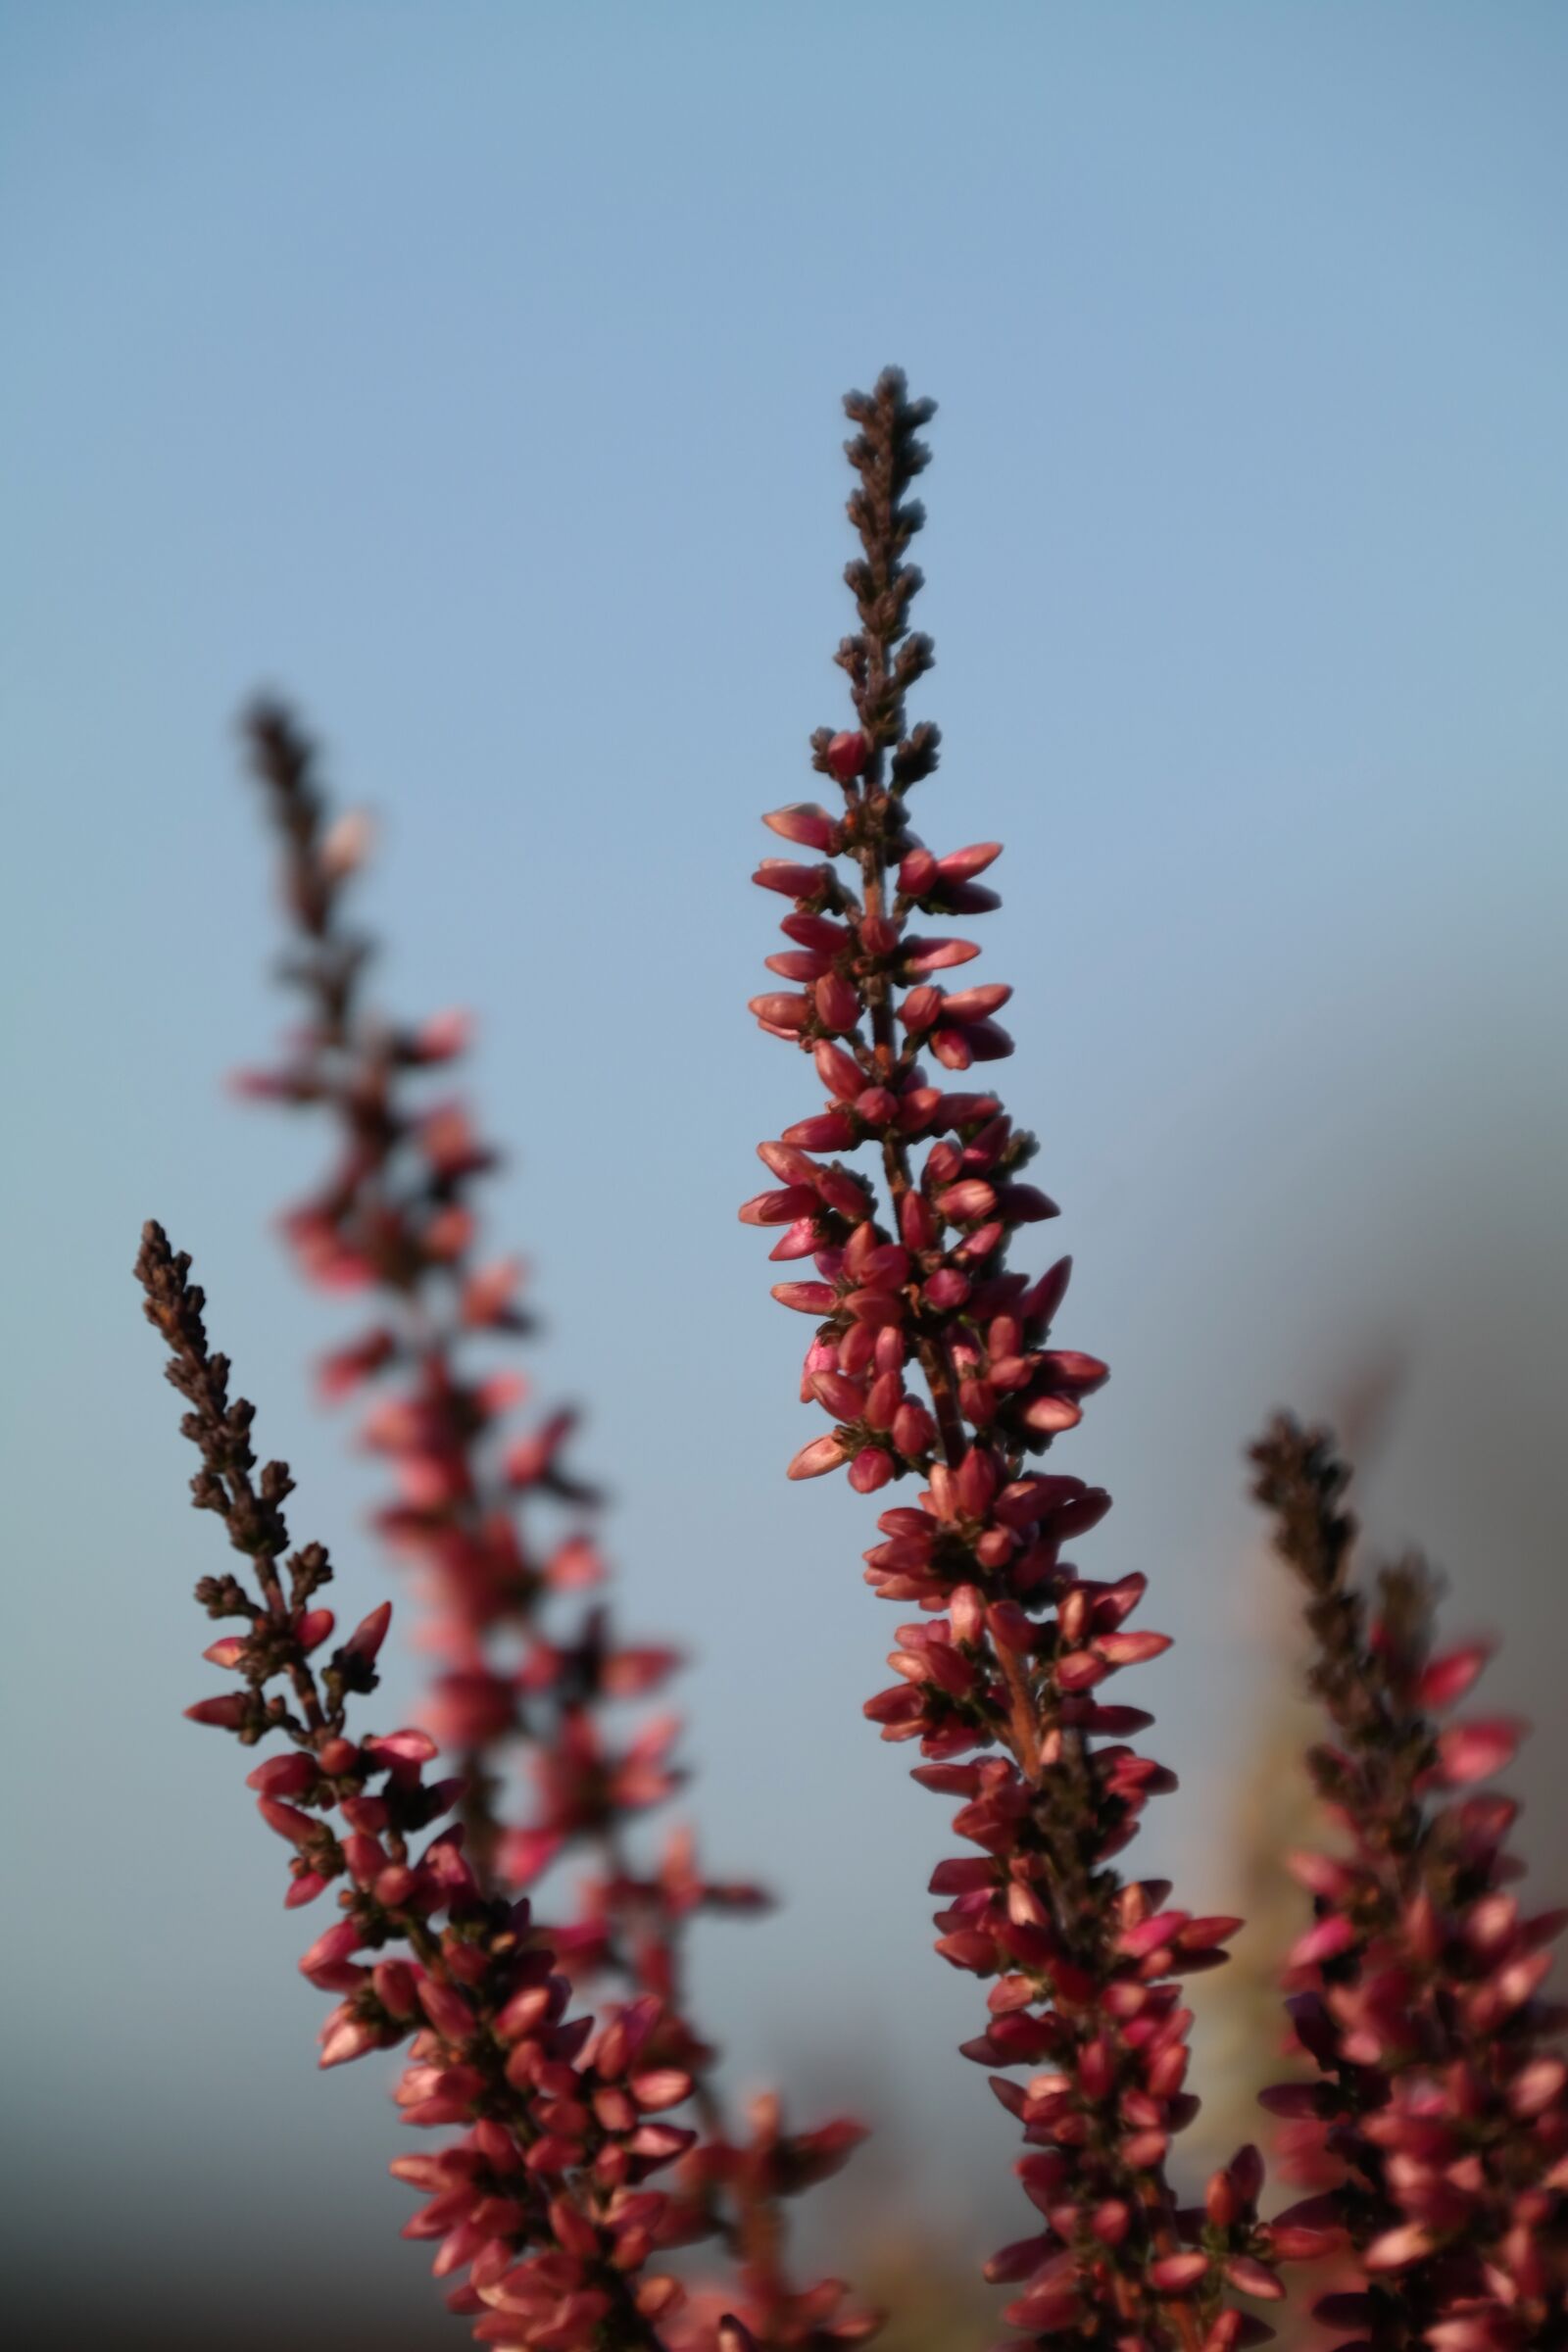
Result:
590,2138
499,1530
1416,1990
933,1359
545,2199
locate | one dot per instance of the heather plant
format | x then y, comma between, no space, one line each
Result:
498,1534
592,2142
558,2145
1441,2100
931,1358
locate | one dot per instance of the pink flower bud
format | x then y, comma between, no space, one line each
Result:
327,1963
820,1456
848,755
1049,1414
1250,2278
1398,2248
914,1432
946,1288
395,1987
443,1036
227,1713
843,1078
1474,1751
1080,1670
976,1482
489,1291
365,1643
446,2009
806,1297
976,1003
964,1203
844,1194
797,965
916,1222
790,881
1131,1649
789,1014
345,2037
780,1207
838,1007
804,821
411,1747
919,1008
789,1164
1175,2274
828,1131
816,932
844,1398
1447,1679
1321,1874
292,1775
287,1820
366,1858
922,956
967,1612
962,866
1149,1935
1322,1942
660,2087
918,1111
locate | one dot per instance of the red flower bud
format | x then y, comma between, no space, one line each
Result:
848,755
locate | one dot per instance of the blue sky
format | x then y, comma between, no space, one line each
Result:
471,372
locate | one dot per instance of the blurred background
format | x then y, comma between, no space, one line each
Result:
470,372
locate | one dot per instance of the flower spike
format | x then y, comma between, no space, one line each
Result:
1441,2104
933,1361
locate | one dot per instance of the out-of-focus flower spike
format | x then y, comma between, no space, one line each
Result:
1414,1990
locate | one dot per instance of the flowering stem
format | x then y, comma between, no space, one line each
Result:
1415,1990
542,2207
396,1217
930,1359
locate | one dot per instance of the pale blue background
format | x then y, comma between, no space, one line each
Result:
471,372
